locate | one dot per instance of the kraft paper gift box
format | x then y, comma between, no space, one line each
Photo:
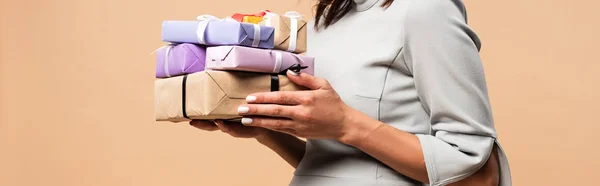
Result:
212,32
179,59
255,60
210,95
290,31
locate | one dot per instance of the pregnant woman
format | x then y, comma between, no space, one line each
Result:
399,97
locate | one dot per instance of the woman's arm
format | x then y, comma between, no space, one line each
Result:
321,114
379,140
288,147
442,54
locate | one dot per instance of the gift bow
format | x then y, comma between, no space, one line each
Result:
239,17
245,18
294,17
203,23
293,14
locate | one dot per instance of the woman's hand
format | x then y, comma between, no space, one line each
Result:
488,175
318,113
290,148
234,129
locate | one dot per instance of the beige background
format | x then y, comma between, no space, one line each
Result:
76,87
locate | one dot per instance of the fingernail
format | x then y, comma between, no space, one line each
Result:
243,110
246,121
250,99
293,73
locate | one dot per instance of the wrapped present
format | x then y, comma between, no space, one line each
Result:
209,30
210,95
255,60
179,59
249,18
290,31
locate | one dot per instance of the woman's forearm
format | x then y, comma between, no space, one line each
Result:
402,151
398,149
290,148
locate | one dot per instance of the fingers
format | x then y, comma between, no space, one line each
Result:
204,125
224,127
308,81
280,97
275,124
271,110
238,130
269,123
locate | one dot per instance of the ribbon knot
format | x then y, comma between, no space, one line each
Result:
206,17
296,67
293,15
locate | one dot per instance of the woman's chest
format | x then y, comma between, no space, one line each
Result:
358,55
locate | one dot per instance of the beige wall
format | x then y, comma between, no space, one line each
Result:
76,87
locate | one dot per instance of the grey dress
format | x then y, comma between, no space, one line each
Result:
414,66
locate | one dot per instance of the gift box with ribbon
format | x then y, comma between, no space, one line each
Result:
210,95
290,31
211,31
248,59
178,59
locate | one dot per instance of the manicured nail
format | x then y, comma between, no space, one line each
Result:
250,99
243,110
293,73
246,121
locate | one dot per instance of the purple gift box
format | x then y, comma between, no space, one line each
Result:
175,60
254,60
218,32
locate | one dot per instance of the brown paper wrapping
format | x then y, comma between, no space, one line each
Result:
211,94
282,33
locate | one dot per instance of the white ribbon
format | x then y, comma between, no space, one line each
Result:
167,52
202,24
279,60
256,40
294,17
299,58
267,18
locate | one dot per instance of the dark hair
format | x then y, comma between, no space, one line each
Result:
333,10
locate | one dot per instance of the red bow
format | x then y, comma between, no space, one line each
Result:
239,17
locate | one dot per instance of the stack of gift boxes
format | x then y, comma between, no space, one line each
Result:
211,65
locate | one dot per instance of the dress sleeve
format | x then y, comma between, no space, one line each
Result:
442,53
